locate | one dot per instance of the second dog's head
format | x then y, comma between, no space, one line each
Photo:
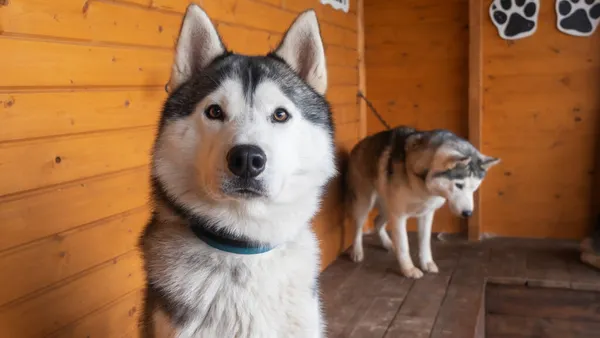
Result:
246,135
454,167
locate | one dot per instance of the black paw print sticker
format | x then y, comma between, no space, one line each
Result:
577,17
515,19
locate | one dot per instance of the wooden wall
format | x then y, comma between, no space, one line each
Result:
416,55
81,87
541,98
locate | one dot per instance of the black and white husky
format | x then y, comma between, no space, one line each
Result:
410,173
244,149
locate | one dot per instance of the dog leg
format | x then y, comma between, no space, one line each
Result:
360,210
426,258
380,222
400,238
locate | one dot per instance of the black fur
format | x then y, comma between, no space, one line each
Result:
251,71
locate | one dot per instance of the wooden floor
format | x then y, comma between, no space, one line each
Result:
372,299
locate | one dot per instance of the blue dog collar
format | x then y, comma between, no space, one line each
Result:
230,244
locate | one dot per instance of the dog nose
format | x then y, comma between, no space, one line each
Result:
246,160
467,213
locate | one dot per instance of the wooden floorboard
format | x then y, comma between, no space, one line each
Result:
372,299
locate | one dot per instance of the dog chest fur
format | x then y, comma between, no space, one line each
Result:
207,293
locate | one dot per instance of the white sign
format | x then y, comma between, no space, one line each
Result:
338,4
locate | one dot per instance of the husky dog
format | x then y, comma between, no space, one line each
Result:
242,155
409,173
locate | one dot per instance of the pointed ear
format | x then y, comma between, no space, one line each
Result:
198,44
453,160
302,49
414,142
487,162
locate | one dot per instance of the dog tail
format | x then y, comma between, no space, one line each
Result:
345,189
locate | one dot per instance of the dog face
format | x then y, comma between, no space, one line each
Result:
456,177
243,134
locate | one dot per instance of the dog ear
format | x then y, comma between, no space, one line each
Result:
302,49
487,162
197,46
414,142
456,159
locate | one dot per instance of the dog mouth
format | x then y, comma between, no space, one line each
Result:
246,188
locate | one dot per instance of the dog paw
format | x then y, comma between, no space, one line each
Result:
515,19
357,255
412,272
577,17
430,267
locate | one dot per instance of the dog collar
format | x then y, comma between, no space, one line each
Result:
229,244
205,230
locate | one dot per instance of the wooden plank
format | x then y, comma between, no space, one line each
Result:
548,268
347,131
342,94
48,261
410,327
516,326
341,75
93,21
110,321
72,301
362,71
425,296
27,115
61,208
458,313
34,63
339,56
377,318
325,13
250,14
245,40
414,14
36,164
474,225
345,113
338,36
543,302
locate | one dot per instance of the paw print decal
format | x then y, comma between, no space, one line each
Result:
515,19
577,17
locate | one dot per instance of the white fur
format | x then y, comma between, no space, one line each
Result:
306,45
275,298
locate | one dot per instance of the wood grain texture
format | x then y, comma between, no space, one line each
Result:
73,300
416,59
475,102
540,117
80,95
27,115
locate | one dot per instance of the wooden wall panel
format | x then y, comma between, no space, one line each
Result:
80,95
417,69
541,116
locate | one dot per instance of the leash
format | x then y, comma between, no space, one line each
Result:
370,105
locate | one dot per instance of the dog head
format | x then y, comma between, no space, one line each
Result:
456,176
246,138
454,168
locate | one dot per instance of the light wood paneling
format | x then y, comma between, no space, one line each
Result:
80,95
51,310
416,56
541,115
27,115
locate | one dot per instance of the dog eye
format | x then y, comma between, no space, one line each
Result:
214,112
460,186
280,115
